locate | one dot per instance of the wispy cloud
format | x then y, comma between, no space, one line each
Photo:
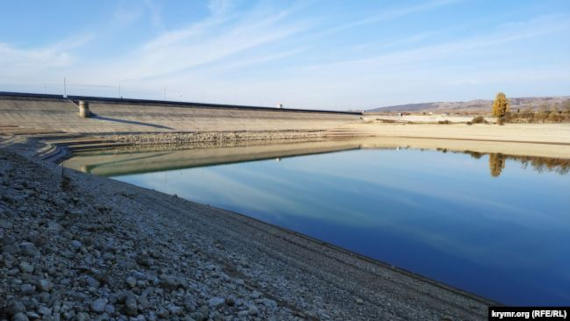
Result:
126,15
22,63
213,39
155,13
388,15
508,33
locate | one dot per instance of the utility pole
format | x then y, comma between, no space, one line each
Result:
120,91
64,88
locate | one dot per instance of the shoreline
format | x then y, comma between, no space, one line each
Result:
363,288
148,158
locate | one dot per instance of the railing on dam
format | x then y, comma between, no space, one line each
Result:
166,103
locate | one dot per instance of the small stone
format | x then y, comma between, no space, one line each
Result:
98,305
29,249
131,305
76,245
174,309
189,303
202,313
15,307
44,285
54,227
82,316
131,282
230,301
44,297
216,301
44,311
5,224
255,295
217,316
144,260
92,282
252,310
109,308
27,288
269,303
26,267
20,317
168,282
162,312
359,301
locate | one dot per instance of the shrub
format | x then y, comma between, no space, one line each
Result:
555,116
478,120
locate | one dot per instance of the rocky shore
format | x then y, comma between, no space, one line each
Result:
80,247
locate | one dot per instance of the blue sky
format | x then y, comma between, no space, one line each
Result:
306,54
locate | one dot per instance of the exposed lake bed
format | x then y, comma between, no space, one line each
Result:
118,250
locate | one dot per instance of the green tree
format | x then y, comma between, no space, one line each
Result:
500,105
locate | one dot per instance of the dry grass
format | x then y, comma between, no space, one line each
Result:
543,115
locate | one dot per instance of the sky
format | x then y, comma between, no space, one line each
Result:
303,54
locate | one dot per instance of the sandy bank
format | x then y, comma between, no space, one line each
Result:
549,140
530,133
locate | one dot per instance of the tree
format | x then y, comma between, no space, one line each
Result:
500,105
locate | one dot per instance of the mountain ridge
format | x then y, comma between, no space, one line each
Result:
477,105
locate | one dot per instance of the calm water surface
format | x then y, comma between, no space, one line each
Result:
505,236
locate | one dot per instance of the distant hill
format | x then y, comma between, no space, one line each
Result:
477,105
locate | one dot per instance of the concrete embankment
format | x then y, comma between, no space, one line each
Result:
29,115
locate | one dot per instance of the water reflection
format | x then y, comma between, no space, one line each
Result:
113,163
496,164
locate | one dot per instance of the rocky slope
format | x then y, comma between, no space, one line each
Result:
80,247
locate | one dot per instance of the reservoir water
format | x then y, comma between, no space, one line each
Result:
490,224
